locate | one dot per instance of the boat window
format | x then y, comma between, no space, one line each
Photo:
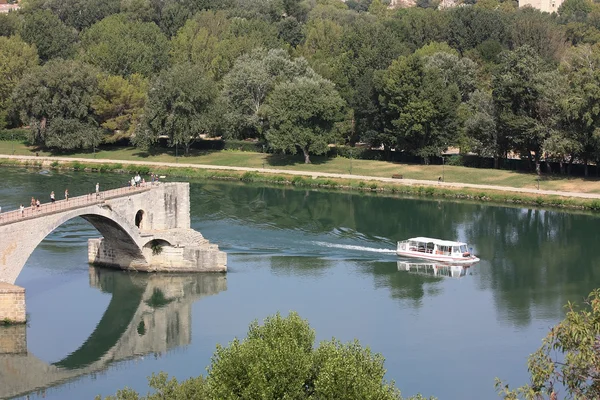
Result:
463,248
455,249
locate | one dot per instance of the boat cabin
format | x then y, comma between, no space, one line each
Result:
434,247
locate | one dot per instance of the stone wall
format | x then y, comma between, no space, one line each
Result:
12,303
13,339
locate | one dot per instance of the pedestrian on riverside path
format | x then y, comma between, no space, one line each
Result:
52,199
22,209
97,189
32,202
37,204
67,194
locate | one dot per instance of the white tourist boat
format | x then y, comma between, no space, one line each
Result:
436,249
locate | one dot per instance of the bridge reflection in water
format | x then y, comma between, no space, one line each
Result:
148,313
434,269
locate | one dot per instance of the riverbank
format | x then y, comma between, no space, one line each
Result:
455,190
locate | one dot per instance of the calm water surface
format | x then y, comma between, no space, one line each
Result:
329,256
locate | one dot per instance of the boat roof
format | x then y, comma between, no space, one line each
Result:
437,241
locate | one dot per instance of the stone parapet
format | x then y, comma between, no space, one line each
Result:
12,304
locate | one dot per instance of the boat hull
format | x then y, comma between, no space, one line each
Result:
439,258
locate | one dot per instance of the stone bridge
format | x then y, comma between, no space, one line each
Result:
147,314
144,228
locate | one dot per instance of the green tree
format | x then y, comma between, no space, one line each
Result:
278,360
16,59
579,104
539,31
481,128
301,114
214,41
119,104
123,47
247,85
525,98
419,106
10,24
51,37
56,101
181,105
81,14
569,357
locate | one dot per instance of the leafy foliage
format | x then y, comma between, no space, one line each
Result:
123,47
247,85
301,114
277,360
51,37
568,358
181,105
56,101
16,58
119,104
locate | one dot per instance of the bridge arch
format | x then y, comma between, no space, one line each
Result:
118,233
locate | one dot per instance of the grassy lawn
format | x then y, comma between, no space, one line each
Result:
333,165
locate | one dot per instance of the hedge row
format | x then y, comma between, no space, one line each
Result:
14,134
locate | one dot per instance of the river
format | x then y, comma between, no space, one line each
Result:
327,255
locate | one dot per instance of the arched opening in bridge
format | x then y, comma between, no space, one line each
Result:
139,216
157,246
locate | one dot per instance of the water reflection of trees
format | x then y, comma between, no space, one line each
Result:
370,215
538,259
534,260
403,285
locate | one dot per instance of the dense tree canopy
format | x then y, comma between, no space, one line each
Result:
181,106
414,80
56,100
123,47
301,115
16,58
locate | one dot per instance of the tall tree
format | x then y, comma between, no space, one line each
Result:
580,136
119,104
181,105
123,47
525,101
16,59
301,115
214,41
247,85
419,107
51,37
56,101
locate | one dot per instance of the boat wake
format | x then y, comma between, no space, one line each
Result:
356,248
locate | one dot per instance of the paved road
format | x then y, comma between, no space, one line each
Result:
314,175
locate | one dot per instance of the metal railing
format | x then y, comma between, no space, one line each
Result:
72,203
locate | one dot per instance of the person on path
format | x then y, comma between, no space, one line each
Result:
67,194
52,199
132,182
97,189
37,204
32,202
22,209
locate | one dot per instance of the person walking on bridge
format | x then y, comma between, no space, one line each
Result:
67,194
97,189
52,199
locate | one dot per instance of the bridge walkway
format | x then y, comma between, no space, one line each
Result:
72,203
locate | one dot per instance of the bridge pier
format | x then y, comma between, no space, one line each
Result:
12,304
13,339
161,256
